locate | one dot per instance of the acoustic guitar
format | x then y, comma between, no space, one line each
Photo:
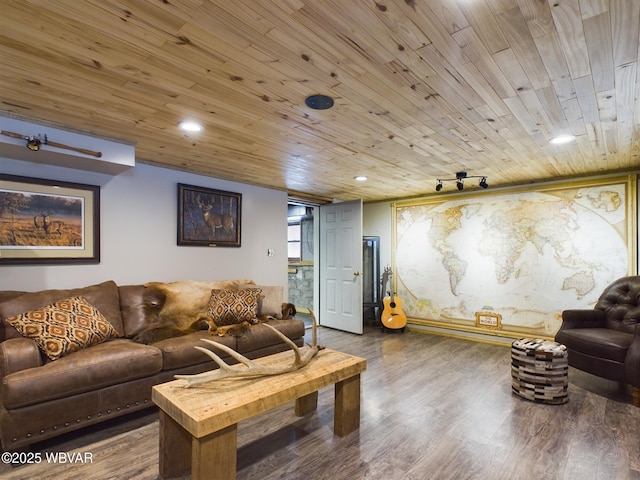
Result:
392,316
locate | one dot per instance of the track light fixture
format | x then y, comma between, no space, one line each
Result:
460,178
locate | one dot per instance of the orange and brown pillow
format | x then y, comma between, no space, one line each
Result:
232,307
64,327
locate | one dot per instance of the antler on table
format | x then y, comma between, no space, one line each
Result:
225,371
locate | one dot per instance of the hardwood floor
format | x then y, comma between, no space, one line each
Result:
433,407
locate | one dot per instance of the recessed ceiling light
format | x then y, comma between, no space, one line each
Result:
560,139
360,178
189,126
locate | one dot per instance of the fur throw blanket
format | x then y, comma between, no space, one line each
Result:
179,308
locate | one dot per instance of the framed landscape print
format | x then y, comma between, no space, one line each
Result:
208,218
48,222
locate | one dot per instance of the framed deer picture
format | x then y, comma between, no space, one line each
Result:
48,222
208,218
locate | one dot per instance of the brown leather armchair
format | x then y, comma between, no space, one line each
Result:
605,341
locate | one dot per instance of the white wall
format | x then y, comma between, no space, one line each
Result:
139,232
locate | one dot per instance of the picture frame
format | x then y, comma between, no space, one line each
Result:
48,222
208,217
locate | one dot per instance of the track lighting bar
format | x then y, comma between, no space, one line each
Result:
460,178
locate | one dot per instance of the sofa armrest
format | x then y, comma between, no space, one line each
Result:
583,319
18,354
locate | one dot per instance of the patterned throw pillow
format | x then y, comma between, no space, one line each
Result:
230,307
64,327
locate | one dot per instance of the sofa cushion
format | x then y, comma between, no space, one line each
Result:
64,327
103,296
260,336
110,363
597,342
9,294
271,301
132,308
178,352
231,307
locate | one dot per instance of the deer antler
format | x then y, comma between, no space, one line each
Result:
253,369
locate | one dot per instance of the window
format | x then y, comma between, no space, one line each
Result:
294,237
300,233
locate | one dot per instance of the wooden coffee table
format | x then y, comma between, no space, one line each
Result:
198,425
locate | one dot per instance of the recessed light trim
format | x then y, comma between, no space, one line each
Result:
190,126
360,178
560,139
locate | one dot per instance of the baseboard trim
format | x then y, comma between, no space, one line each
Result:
470,336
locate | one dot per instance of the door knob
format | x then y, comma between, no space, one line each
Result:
356,273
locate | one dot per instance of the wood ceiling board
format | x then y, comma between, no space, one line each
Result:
422,89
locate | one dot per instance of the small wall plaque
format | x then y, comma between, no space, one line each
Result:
489,320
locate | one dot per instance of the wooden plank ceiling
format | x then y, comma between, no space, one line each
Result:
422,88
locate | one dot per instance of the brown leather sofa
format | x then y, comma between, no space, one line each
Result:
41,398
605,341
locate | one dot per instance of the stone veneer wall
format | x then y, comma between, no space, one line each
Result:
301,286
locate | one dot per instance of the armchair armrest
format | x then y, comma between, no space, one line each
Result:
583,319
18,354
632,362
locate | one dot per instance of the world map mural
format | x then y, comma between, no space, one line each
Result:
523,256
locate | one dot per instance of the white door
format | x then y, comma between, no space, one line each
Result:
341,265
